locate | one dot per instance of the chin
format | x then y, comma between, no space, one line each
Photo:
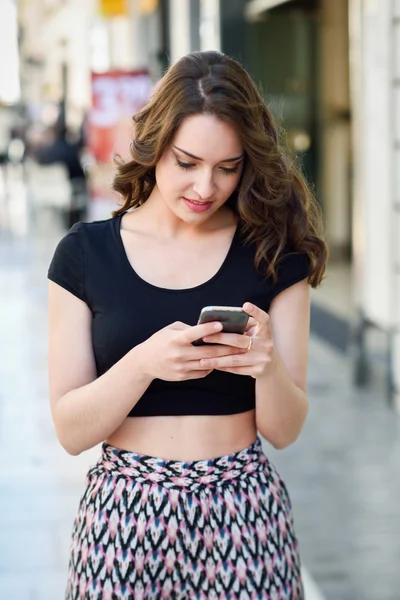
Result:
186,215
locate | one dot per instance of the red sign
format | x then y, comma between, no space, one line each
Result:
116,97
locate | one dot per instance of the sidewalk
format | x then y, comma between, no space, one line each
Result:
342,474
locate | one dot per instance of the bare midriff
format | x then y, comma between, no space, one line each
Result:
187,437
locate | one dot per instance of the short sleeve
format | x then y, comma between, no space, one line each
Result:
67,267
292,269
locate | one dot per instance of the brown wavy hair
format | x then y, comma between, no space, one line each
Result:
276,208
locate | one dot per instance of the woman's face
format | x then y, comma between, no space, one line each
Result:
201,168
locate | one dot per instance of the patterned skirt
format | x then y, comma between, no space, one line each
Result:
149,528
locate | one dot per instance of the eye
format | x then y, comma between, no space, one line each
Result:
229,171
184,166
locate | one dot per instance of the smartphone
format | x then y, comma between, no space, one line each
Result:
233,319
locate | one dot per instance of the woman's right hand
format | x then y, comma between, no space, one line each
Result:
169,354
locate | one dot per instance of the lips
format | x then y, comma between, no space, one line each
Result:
197,205
196,201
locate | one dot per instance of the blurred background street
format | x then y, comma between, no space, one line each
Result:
72,73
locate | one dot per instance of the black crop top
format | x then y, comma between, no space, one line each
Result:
91,263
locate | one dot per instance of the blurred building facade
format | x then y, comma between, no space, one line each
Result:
329,69
63,41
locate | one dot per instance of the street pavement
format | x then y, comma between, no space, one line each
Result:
342,474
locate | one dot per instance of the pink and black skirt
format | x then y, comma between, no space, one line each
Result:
150,528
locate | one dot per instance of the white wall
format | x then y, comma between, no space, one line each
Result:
180,20
376,103
374,163
9,72
179,24
210,25
395,221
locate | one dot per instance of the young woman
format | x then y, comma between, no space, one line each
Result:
182,502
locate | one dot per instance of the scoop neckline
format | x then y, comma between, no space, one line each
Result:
172,290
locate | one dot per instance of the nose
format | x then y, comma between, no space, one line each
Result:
204,184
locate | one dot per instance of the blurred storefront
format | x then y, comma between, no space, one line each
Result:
299,52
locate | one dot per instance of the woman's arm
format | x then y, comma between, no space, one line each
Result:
277,359
281,400
86,409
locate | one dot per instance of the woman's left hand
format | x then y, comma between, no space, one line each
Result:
256,343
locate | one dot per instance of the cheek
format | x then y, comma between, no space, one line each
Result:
170,180
228,184
161,174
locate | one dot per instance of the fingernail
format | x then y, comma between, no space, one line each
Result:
217,326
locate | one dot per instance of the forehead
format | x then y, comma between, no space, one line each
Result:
208,138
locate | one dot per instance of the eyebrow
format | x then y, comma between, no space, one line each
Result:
235,158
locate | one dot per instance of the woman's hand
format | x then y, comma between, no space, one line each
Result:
256,345
170,355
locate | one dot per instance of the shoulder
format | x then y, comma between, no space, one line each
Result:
291,268
292,261
291,265
93,235
71,240
68,265
83,232
95,228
